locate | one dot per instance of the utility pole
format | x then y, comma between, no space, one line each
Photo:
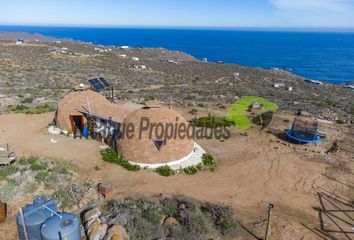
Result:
270,206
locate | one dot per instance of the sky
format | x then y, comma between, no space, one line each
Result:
180,13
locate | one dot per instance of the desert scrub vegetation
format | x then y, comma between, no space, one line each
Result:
38,109
28,173
7,170
165,171
172,217
72,194
110,155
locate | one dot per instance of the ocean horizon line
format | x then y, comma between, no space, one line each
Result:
211,28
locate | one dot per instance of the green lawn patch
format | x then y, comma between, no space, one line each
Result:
238,112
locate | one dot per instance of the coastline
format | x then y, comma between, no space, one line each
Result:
248,49
29,37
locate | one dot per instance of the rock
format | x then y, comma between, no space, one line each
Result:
105,189
303,113
92,214
89,197
97,231
116,232
171,221
89,226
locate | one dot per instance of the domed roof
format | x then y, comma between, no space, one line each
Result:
143,146
87,100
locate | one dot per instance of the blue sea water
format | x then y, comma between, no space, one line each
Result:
327,57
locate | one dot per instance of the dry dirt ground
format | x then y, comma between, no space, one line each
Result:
252,171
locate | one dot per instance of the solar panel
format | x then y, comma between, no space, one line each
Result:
104,82
99,84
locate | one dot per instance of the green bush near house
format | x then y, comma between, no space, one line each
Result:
238,112
109,155
212,122
208,159
165,171
192,170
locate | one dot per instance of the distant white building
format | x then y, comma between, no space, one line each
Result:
135,59
141,67
278,85
122,56
313,81
124,47
20,41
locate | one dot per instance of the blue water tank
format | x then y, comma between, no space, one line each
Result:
34,215
67,227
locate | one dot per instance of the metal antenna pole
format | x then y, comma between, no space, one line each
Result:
270,207
23,223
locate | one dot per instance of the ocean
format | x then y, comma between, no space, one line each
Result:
327,57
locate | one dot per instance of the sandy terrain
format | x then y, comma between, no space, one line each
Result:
252,171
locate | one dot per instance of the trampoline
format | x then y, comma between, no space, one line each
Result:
303,131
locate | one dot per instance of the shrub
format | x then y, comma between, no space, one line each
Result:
165,171
38,166
17,109
41,108
41,176
28,160
212,122
193,111
192,170
61,168
199,166
109,155
8,170
27,100
208,159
